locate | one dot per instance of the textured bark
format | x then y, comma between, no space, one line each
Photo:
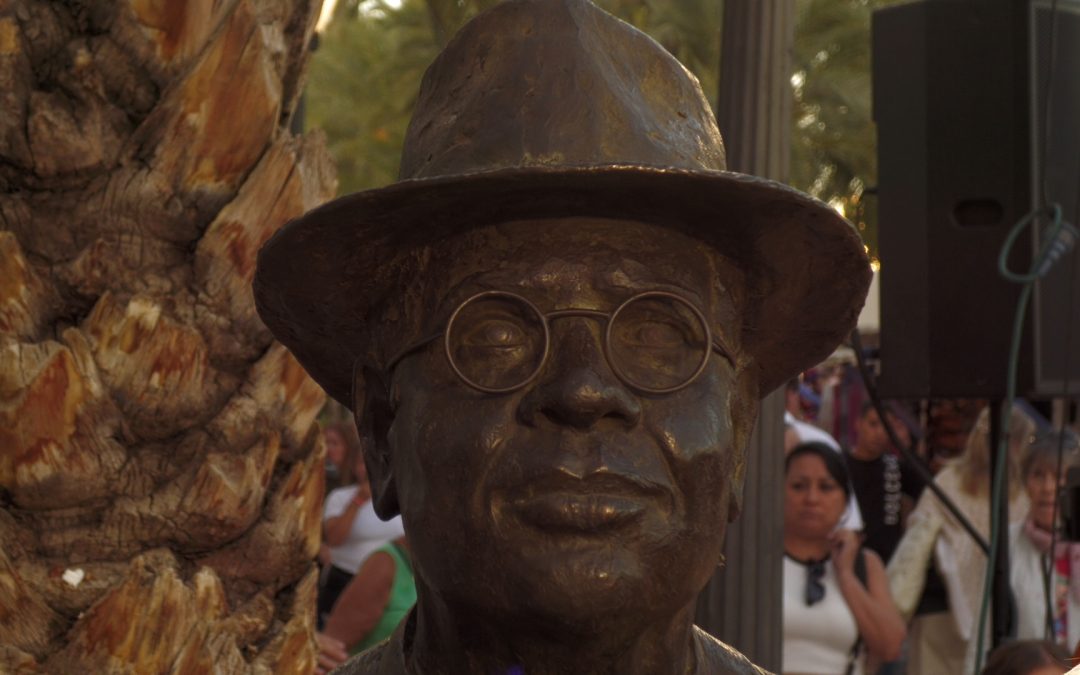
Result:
160,474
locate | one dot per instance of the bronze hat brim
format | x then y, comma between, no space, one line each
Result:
806,267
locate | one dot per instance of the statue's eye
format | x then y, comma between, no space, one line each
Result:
495,333
655,334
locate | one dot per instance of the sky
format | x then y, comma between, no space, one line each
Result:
328,10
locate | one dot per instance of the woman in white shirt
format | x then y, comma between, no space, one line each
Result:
352,532
1034,572
836,607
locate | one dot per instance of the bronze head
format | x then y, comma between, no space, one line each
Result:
554,331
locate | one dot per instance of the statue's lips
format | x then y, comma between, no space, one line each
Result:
577,512
567,499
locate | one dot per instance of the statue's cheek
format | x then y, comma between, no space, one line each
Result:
695,422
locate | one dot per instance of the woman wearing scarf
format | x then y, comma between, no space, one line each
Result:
1036,574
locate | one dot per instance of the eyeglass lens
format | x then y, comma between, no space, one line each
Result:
496,342
657,342
499,342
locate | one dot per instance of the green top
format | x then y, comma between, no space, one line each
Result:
402,598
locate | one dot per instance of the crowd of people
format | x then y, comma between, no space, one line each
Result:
902,591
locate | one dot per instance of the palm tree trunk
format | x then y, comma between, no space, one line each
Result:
160,474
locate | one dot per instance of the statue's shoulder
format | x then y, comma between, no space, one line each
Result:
716,658
368,662
713,658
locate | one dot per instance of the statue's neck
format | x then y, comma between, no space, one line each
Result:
446,640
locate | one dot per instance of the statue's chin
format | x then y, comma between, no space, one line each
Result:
566,592
586,590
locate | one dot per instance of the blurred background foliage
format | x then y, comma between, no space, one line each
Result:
366,73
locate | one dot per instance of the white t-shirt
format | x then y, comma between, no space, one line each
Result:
817,638
1026,572
368,531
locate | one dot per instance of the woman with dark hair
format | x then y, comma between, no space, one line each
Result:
342,447
837,605
1027,657
1041,567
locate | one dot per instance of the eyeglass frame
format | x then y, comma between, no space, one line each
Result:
714,342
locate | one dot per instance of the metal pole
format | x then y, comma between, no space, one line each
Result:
1001,618
742,605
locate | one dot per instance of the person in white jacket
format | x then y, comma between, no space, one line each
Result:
1044,566
943,642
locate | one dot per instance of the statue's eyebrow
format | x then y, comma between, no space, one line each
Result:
614,279
618,280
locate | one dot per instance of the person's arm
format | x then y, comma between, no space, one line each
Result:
362,603
906,573
880,625
336,528
331,653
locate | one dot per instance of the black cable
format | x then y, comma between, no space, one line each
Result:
1070,282
911,457
1065,385
1048,564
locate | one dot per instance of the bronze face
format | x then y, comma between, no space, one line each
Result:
575,497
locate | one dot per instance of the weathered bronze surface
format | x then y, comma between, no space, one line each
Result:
565,477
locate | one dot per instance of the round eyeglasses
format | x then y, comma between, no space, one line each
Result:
497,342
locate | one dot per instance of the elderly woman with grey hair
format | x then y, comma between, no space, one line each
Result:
1044,566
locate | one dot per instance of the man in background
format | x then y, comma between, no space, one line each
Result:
886,486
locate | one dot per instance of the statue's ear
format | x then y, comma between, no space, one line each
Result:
374,415
744,412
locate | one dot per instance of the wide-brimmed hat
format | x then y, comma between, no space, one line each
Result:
544,109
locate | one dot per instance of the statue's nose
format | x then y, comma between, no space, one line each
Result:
578,388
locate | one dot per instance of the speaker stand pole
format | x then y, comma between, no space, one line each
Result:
1000,626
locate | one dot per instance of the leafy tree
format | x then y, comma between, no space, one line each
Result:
834,154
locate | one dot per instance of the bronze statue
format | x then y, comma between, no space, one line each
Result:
554,331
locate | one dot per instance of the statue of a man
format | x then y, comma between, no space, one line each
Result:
554,332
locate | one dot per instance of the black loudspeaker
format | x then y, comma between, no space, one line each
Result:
1057,296
957,104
